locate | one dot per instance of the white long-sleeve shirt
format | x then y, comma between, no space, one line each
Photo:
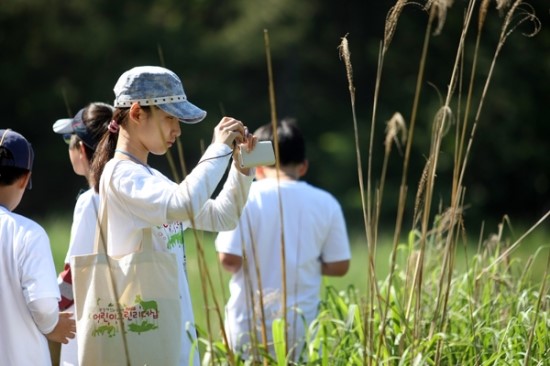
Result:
140,197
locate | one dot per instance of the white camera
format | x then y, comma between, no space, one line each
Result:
261,155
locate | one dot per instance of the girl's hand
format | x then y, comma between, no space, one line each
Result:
249,143
229,131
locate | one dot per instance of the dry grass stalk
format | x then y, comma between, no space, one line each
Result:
273,110
527,14
256,311
403,187
505,254
542,294
366,206
502,4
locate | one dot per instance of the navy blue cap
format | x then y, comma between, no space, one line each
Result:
15,151
76,126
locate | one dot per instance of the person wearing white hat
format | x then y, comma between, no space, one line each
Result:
82,134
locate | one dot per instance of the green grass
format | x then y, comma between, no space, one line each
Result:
533,252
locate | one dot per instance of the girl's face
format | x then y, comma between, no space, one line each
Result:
160,131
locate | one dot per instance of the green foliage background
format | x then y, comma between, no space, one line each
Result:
58,55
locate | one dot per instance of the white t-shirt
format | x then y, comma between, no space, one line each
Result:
81,242
142,197
27,274
314,231
84,224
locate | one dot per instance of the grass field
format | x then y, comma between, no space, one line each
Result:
534,251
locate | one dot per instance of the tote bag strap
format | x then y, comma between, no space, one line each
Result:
100,242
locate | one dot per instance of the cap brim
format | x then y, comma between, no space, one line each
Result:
64,125
186,112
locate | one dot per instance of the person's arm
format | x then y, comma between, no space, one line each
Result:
231,263
336,254
223,212
64,330
337,269
57,327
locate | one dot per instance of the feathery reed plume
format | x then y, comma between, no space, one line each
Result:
346,55
443,120
394,126
420,194
482,14
391,23
439,6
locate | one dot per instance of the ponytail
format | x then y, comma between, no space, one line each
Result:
106,148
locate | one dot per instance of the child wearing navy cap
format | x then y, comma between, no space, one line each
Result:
30,294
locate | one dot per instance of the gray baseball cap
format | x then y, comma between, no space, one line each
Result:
155,85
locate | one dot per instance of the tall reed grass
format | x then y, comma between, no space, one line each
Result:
424,312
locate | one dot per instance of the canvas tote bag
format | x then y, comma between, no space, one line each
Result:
127,309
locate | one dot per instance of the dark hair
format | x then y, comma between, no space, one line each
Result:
292,147
96,117
9,174
105,150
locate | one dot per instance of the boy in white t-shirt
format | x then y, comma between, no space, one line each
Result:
312,228
29,313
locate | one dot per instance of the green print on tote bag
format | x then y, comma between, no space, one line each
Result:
140,317
127,308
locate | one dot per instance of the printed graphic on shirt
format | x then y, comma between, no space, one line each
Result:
141,316
171,234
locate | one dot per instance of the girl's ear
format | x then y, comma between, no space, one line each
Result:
82,149
135,112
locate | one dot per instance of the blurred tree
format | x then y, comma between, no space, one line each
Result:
59,55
